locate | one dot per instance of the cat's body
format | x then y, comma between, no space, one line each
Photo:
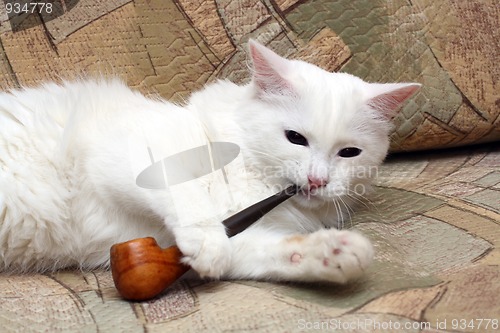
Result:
70,156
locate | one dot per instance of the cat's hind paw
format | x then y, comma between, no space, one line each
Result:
330,255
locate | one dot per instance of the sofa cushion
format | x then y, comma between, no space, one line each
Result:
171,48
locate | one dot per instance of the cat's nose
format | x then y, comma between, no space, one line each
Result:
317,181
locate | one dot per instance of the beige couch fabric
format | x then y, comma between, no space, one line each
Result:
172,47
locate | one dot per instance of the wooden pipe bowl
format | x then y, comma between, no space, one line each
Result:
141,269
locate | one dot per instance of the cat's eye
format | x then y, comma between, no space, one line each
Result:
349,152
296,138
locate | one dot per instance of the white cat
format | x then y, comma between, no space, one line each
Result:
70,155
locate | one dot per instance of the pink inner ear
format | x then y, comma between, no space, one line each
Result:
392,96
267,67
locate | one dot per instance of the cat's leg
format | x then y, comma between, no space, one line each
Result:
198,230
325,255
205,248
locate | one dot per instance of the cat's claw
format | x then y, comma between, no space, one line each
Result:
206,250
330,255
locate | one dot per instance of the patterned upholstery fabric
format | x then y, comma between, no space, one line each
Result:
434,220
173,47
433,217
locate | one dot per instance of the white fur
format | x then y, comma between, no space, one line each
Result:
70,155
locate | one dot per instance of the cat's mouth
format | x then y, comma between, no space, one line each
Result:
310,193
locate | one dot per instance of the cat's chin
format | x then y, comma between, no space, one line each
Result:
308,200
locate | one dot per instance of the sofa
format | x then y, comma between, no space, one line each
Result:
434,216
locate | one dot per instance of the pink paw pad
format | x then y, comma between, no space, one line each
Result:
295,258
344,241
337,251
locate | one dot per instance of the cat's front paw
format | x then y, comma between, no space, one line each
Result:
330,255
207,250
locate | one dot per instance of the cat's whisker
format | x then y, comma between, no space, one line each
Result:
359,199
327,209
340,218
348,209
362,199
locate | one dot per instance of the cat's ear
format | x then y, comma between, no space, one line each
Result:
269,70
389,97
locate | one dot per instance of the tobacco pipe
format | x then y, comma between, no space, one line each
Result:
141,269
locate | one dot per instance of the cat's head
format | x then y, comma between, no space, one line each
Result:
326,132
